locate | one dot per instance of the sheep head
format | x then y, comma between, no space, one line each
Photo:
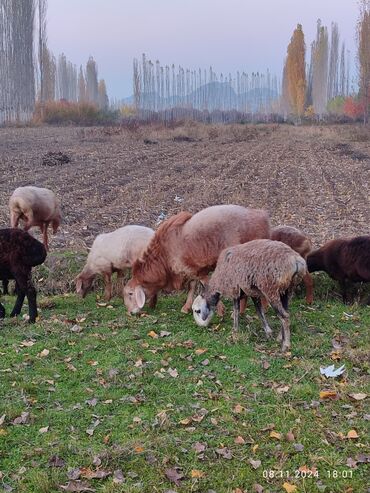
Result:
204,308
134,297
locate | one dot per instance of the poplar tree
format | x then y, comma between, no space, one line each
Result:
92,92
363,36
320,71
295,72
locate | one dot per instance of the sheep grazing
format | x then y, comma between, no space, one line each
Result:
19,252
302,244
260,268
113,252
186,247
36,207
345,260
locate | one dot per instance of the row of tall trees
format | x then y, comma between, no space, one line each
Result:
17,70
29,72
158,88
326,76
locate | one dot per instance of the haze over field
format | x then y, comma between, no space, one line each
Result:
239,35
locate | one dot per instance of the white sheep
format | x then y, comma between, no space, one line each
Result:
36,207
113,252
259,268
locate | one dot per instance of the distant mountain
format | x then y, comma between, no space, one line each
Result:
213,96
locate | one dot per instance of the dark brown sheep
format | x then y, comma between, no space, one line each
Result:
345,260
19,252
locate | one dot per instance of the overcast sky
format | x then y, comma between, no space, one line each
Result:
230,35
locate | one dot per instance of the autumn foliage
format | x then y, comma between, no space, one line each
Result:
353,108
59,112
295,73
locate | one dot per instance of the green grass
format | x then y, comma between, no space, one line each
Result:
137,413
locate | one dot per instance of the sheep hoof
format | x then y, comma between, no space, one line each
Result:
185,309
285,348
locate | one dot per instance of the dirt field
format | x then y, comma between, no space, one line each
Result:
316,178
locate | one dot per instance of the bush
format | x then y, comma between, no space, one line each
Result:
61,112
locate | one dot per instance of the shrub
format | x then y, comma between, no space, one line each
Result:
61,112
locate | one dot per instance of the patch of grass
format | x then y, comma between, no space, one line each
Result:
113,379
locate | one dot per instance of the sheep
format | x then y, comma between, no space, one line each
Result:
36,207
302,244
19,252
186,247
343,259
113,252
259,268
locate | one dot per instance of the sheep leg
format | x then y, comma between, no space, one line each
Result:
283,316
344,286
261,314
44,231
243,303
2,311
5,286
236,312
108,286
18,303
308,282
152,302
14,219
189,300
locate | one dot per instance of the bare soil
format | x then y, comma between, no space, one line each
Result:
316,178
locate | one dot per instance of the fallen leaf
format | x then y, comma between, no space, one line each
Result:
27,343
185,421
164,333
205,362
352,434
2,419
283,390
153,334
298,447
330,371
56,461
290,436
138,449
45,429
358,397
200,351
254,463
195,473
224,452
173,372
328,394
238,409
88,473
44,353
257,488
74,473
239,440
275,434
289,488
76,485
118,477
265,365
199,447
255,447
352,463
174,475
76,328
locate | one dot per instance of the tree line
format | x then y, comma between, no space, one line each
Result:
30,73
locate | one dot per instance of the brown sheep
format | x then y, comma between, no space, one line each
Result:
36,207
260,269
186,247
302,244
345,260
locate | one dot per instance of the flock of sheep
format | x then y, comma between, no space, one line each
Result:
247,258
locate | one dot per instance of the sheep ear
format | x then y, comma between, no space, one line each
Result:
139,296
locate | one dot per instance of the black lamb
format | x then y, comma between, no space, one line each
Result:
19,252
